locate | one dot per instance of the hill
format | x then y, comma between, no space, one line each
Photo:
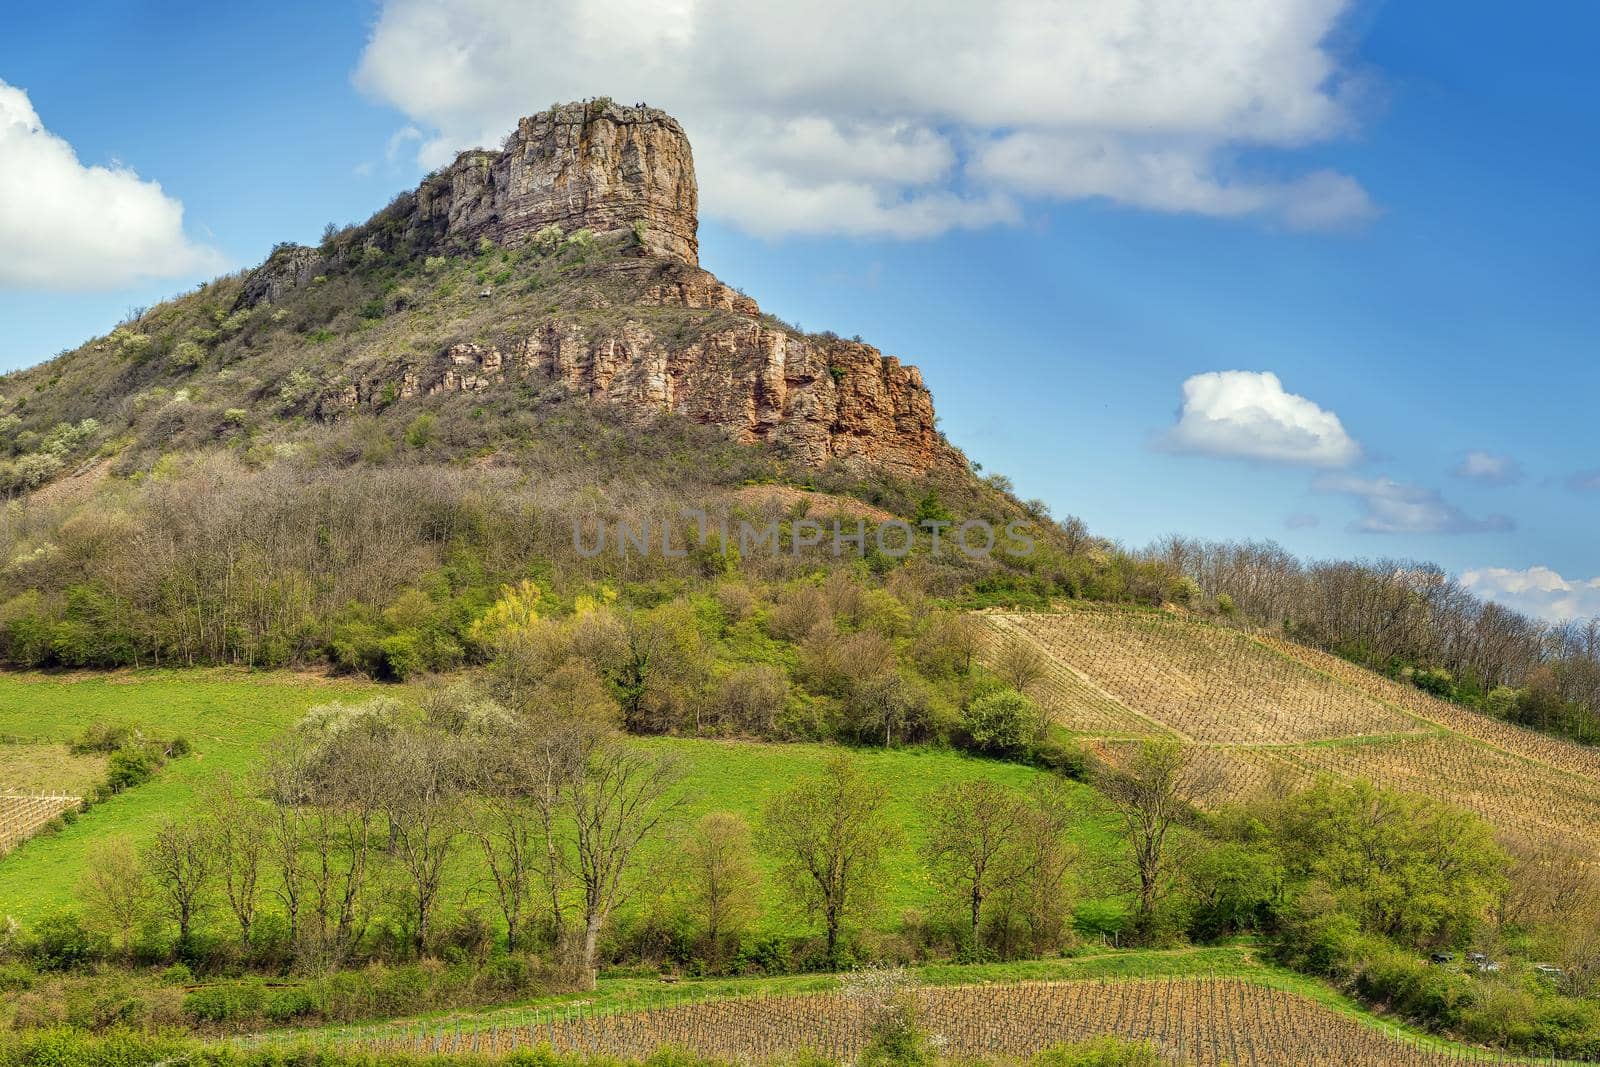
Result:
363,441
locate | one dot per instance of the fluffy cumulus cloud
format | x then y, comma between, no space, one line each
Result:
1391,507
1488,468
1537,591
844,116
1249,415
65,225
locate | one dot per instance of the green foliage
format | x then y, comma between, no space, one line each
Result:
60,942
1406,867
1099,1052
1003,722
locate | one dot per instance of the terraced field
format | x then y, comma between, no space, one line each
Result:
1266,713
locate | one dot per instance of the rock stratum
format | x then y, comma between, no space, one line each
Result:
626,174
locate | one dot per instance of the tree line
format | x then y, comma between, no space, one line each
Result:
369,818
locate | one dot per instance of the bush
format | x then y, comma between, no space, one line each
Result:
231,1003
1100,1052
60,942
102,737
130,767
1003,722
290,1004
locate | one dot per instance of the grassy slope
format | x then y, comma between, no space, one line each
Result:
231,716
738,777
227,716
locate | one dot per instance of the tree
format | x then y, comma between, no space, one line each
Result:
423,804
1020,664
181,861
1161,785
617,802
973,828
1034,888
239,828
719,875
116,889
506,821
1003,722
829,833
1407,867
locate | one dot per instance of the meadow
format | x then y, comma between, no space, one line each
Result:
230,717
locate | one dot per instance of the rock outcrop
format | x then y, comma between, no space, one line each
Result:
611,169
598,167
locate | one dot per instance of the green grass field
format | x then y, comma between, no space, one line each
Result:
227,716
230,717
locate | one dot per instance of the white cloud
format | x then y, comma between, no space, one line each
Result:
1537,591
1391,507
1488,468
64,225
1249,415
868,117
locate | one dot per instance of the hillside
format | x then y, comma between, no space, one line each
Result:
1267,714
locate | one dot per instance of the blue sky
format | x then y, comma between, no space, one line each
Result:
1388,207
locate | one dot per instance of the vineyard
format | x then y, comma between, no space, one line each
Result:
1204,683
1204,1022
23,816
1263,713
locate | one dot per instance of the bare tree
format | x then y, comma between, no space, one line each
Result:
424,805
181,861
239,828
1020,663
506,821
621,797
1161,785
116,890
973,828
829,833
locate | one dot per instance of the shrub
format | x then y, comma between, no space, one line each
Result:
61,943
129,767
102,736
1100,1052
225,1004
1003,722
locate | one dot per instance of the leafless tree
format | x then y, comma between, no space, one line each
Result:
1020,664
239,826
423,803
618,801
181,861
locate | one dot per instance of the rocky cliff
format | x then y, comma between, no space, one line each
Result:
626,176
599,167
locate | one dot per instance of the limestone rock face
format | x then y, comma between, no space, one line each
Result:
819,400
600,167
